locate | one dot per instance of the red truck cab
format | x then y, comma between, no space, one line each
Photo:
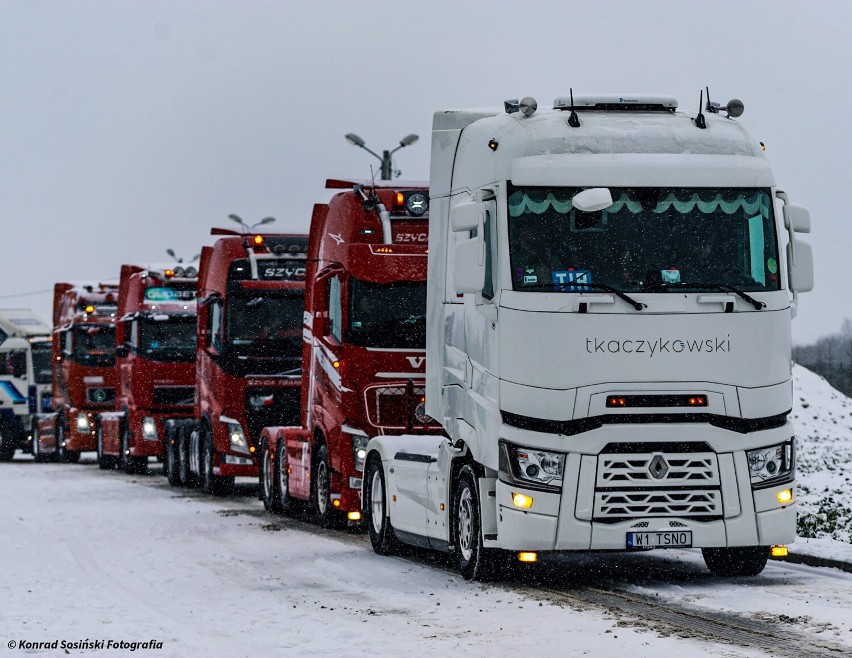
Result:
364,347
83,370
248,356
155,364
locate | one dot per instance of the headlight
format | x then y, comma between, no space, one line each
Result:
149,429
359,450
237,439
82,422
771,465
538,467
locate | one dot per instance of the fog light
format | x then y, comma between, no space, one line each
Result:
778,551
785,496
527,556
354,516
522,501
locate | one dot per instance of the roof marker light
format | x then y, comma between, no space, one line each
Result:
258,240
169,273
400,198
90,309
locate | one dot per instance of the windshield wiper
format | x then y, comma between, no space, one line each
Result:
558,287
721,287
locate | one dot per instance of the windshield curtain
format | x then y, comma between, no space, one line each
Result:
262,325
94,345
167,340
390,315
648,240
42,362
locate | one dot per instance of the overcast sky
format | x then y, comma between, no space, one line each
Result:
127,128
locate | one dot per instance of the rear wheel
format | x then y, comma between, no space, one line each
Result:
210,482
376,510
38,455
736,561
474,560
269,480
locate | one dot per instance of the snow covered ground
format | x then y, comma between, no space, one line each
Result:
823,420
87,554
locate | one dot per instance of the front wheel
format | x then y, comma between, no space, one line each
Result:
170,460
131,465
63,455
474,560
377,515
268,480
324,511
736,561
8,443
105,462
210,482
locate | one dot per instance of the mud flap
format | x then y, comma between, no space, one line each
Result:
488,510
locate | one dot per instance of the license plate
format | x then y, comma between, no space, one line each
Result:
663,539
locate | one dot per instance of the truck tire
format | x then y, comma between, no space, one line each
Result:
376,514
210,482
269,480
282,479
170,457
474,560
324,512
63,455
130,464
738,561
8,443
105,462
38,456
185,474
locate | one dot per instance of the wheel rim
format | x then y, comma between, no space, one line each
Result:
267,475
377,502
283,475
465,524
322,487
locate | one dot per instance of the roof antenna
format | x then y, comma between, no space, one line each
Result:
700,122
712,108
573,119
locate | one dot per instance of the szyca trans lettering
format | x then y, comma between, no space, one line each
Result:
712,345
88,644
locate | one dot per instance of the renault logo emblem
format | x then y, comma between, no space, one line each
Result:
658,467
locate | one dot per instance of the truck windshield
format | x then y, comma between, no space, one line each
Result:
648,240
41,362
263,325
93,345
167,340
387,314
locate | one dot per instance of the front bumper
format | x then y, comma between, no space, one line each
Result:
575,518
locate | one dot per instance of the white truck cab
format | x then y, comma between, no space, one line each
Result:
608,349
25,377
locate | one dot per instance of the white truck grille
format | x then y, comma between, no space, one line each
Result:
633,504
657,484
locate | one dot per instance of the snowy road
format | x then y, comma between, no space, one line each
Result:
86,554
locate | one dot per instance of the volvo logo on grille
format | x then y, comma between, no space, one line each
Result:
658,467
